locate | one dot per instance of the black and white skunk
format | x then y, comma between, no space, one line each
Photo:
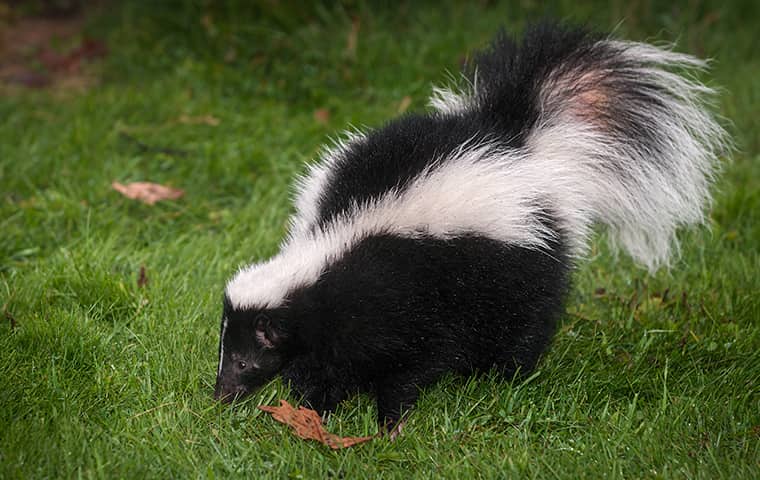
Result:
443,242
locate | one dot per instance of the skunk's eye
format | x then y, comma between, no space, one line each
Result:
241,365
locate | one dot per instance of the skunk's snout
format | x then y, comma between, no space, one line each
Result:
228,393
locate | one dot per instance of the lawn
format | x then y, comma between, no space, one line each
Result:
654,376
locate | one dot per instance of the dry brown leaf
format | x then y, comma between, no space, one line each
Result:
404,104
322,115
209,120
308,425
353,37
147,192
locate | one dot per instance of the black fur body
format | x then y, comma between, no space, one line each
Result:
396,314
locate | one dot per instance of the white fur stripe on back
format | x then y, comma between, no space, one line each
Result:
501,194
310,186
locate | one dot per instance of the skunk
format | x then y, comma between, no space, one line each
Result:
444,241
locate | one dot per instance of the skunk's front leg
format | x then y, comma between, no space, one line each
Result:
317,386
396,395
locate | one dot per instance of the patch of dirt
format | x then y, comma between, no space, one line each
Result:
46,48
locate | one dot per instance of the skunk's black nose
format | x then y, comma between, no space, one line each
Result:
226,393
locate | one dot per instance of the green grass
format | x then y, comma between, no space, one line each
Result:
653,376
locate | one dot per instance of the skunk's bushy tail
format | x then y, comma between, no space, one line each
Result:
615,132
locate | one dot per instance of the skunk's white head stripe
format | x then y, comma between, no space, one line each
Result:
221,346
572,164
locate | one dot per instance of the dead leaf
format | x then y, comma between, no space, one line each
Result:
353,37
208,25
147,192
199,120
308,425
142,277
322,115
404,104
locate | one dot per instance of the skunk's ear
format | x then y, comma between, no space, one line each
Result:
268,334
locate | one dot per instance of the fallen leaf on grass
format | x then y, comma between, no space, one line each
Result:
209,120
147,192
404,104
353,37
308,425
322,116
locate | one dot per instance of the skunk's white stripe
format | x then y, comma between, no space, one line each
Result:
221,347
309,188
452,100
570,165
311,185
474,191
448,101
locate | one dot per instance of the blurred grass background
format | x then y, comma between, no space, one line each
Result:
649,376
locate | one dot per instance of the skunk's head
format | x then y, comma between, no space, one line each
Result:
251,350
